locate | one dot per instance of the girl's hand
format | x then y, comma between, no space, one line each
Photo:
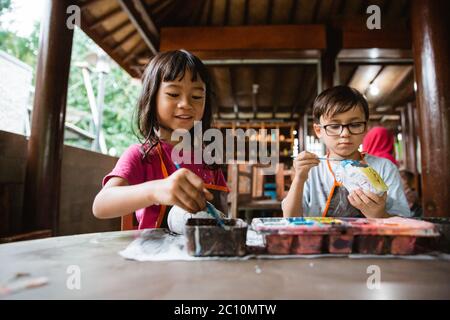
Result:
370,204
303,163
184,189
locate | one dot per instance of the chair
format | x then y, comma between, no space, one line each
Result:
128,222
283,180
246,182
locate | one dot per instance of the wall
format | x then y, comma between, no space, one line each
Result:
82,173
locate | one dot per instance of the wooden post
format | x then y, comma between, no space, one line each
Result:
45,147
412,139
328,60
431,48
302,131
233,172
409,139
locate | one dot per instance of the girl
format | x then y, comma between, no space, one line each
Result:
176,92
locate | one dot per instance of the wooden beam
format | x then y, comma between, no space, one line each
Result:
255,90
278,84
163,11
292,11
269,13
246,12
99,21
409,137
89,3
119,44
276,37
146,18
299,94
98,40
384,38
233,93
140,25
257,54
45,146
431,47
134,52
117,29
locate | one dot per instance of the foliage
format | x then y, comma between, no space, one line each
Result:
121,92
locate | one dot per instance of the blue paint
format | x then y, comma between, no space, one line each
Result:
300,221
209,207
355,163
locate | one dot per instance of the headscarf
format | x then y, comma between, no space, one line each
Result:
380,142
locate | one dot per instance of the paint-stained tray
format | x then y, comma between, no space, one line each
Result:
342,235
206,238
441,243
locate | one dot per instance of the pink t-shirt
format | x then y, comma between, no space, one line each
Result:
132,167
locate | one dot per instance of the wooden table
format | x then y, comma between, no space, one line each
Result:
105,274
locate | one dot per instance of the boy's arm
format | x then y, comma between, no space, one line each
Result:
292,205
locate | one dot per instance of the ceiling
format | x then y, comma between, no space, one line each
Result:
130,32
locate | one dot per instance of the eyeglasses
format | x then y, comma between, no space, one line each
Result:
334,130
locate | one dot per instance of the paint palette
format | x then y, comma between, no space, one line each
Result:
206,238
344,235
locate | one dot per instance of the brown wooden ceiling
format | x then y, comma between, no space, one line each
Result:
129,31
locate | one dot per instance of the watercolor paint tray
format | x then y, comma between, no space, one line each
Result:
206,238
342,235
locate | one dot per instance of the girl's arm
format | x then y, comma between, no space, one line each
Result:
183,188
117,198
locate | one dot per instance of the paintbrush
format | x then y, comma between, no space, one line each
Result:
211,209
323,158
215,213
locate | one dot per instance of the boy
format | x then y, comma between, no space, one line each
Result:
340,121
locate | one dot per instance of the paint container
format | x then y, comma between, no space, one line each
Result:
369,244
441,243
278,243
177,218
291,235
403,245
395,235
206,238
307,244
340,241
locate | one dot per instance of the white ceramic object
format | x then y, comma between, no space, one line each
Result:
177,218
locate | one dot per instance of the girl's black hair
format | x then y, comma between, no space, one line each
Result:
168,66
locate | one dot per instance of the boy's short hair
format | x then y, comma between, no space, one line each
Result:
338,99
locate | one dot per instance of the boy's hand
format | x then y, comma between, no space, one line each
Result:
303,163
370,204
184,189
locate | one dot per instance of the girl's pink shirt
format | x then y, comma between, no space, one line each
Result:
136,170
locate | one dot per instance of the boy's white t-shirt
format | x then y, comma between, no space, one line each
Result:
320,181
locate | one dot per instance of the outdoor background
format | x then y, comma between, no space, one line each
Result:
19,37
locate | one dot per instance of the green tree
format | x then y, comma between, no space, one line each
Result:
120,98
5,5
120,92
23,48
